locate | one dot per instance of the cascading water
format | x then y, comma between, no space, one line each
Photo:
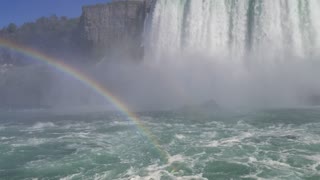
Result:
234,27
256,50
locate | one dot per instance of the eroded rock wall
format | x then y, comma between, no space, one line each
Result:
115,28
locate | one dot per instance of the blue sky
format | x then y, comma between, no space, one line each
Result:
21,11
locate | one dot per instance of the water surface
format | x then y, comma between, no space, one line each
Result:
269,144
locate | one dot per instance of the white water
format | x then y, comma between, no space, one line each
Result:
234,27
237,51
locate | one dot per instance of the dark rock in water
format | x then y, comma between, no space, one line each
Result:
292,137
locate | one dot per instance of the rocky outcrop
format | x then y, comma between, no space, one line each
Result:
114,28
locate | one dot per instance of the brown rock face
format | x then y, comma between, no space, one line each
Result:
115,28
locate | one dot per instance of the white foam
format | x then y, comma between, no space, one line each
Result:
43,125
316,159
213,144
176,158
180,136
156,172
229,141
6,138
252,160
70,177
157,176
30,142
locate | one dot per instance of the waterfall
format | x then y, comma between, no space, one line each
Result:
234,27
262,52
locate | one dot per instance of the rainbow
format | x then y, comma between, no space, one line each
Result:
90,83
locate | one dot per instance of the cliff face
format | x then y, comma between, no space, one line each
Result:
54,36
114,28
105,30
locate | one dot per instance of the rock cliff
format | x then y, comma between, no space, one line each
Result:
115,28
104,30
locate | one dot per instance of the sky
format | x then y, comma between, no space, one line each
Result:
21,11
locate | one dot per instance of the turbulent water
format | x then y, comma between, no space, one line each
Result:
221,27
269,144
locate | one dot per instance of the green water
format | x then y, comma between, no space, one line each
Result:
270,144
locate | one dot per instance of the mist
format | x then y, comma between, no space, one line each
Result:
253,82
231,53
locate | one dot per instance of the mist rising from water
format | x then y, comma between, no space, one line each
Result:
237,52
240,53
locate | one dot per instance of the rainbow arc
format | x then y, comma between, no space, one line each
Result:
91,83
